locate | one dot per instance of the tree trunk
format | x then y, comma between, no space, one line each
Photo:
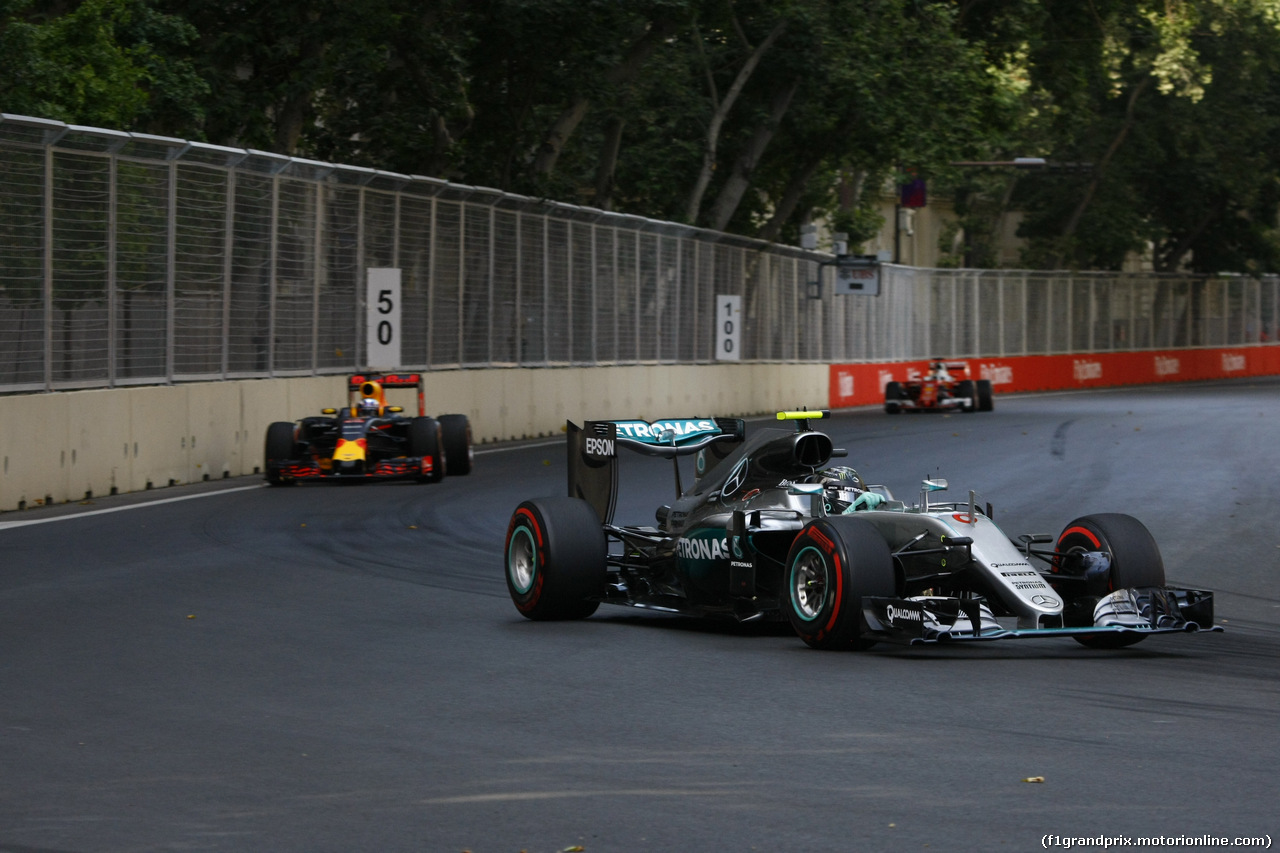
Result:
800,180
736,185
291,112
1069,231
608,164
1170,256
786,206
717,121
625,71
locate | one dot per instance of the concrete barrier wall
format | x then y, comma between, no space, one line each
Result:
69,446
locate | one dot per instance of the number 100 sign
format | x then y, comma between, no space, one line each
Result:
728,327
383,319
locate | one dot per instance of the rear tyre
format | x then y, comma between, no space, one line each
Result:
455,431
1135,562
965,389
426,441
985,402
555,559
279,448
892,397
832,564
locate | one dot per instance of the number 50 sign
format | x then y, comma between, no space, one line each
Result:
383,319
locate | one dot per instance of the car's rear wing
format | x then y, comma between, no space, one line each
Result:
593,451
962,366
375,385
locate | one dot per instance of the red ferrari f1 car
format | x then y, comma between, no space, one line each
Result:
369,439
946,386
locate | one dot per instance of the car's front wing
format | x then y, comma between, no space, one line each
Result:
387,469
946,404
911,621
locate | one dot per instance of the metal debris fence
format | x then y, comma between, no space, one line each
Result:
134,259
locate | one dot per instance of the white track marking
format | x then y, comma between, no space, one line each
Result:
5,525
553,442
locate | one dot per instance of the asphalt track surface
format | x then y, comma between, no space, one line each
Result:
341,669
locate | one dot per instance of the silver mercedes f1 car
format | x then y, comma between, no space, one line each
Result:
770,529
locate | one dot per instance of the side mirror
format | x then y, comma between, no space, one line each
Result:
328,411
395,410
938,485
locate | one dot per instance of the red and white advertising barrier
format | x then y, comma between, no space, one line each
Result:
863,384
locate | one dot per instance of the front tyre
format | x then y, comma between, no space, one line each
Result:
832,565
985,401
455,432
555,559
893,396
425,441
279,448
1135,562
966,390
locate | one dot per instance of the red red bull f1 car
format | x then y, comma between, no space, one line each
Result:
946,386
370,440
770,529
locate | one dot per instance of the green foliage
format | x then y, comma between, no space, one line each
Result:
1166,115
108,63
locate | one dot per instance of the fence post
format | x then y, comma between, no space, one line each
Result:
271,274
48,269
170,275
493,272
228,247
318,275
113,284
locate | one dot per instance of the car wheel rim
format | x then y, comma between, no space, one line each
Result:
809,584
522,561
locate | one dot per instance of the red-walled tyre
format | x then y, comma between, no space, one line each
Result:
1135,562
832,564
555,559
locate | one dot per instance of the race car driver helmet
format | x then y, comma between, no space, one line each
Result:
369,407
843,486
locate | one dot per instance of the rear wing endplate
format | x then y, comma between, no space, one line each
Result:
593,450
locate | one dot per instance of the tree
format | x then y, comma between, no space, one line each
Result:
720,108
1142,96
108,63
743,115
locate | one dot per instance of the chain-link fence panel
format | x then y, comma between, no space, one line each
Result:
128,259
477,289
295,276
1269,309
22,266
82,269
504,346
200,246
342,284
557,306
